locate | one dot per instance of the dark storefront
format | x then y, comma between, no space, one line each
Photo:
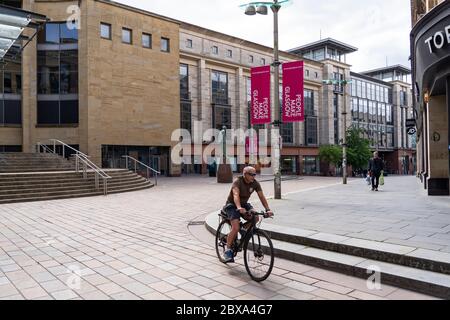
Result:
430,47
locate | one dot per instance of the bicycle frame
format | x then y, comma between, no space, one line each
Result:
248,234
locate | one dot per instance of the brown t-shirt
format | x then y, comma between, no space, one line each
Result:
245,190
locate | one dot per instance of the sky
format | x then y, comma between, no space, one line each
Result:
378,28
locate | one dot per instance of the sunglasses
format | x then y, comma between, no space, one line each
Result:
252,174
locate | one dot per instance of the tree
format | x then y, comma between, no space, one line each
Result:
358,149
331,154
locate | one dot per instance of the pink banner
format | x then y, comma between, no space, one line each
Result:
293,87
260,109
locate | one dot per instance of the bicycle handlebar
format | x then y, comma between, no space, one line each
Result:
262,213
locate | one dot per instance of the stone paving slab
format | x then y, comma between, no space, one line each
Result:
147,231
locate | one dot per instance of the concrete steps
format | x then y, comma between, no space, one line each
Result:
56,179
34,162
425,271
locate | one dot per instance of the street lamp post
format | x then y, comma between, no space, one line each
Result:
344,115
261,8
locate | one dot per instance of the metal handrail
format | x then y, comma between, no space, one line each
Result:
79,157
99,173
56,141
146,166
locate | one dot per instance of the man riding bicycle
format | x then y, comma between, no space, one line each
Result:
237,205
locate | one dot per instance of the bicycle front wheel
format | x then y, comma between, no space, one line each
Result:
221,239
258,255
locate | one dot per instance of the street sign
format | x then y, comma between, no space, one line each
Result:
411,131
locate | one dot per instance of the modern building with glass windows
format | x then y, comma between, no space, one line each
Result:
380,104
215,93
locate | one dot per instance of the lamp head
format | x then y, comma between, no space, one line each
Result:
250,10
261,10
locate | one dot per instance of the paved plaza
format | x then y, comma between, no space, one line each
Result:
139,245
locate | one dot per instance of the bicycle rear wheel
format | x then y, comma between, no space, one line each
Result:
221,239
258,255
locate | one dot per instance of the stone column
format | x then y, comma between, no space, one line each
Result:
29,98
438,168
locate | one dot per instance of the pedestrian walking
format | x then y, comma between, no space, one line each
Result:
376,166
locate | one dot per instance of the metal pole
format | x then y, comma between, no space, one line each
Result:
276,105
344,145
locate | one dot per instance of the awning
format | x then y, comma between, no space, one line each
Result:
13,22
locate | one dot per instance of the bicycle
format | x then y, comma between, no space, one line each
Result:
256,244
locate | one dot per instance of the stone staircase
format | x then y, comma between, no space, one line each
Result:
424,271
33,162
55,178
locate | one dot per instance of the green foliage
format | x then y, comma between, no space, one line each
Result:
331,154
358,149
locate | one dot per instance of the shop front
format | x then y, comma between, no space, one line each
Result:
430,47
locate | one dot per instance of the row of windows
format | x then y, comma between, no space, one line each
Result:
367,90
127,37
372,112
321,54
316,74
378,135
10,148
48,112
228,53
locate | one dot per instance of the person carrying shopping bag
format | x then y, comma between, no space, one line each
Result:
376,166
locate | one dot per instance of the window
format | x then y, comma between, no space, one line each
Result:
215,50
354,108
68,33
307,72
263,61
165,45
309,102
250,59
184,82
219,87
319,54
316,74
311,131
58,33
146,40
403,98
287,132
127,36
10,148
57,72
57,112
311,165
336,119
10,112
189,43
57,77
105,31
221,117
186,116
229,54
